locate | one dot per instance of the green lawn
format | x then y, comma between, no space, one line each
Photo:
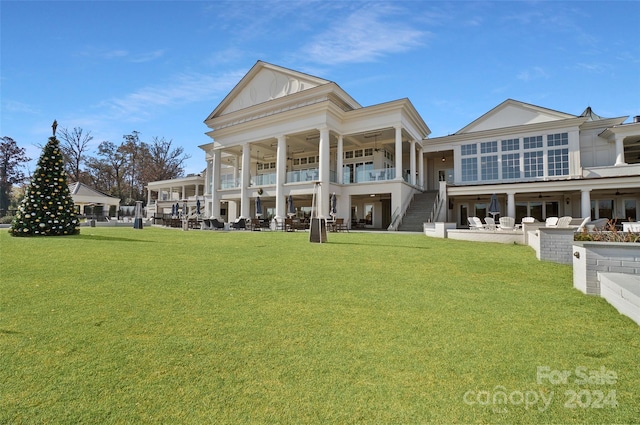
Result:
118,325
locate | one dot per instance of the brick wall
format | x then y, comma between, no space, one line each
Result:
592,257
556,244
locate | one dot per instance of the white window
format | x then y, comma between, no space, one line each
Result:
489,167
533,163
511,166
560,139
471,149
469,169
558,160
532,142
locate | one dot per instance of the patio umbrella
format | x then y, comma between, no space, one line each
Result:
177,208
333,210
258,206
291,209
494,207
197,206
173,210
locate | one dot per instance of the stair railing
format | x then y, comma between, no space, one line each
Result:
395,220
434,208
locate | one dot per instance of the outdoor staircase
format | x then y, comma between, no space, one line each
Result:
418,212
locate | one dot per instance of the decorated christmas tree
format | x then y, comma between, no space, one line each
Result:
47,208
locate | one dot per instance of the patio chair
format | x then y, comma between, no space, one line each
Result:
528,220
490,223
551,222
340,225
507,223
475,223
288,225
564,222
240,223
582,225
215,224
255,224
599,224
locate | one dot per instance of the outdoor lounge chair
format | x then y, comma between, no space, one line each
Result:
551,222
241,223
475,223
528,220
564,222
507,223
582,225
599,224
490,223
215,224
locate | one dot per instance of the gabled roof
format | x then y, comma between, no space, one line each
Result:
82,189
262,83
511,113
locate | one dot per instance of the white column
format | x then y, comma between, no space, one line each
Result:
340,156
184,193
236,169
619,152
324,173
245,207
281,177
216,156
585,203
398,153
511,204
412,161
421,168
149,196
208,175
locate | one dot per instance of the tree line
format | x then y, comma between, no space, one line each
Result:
121,170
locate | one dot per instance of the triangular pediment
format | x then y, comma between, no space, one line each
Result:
265,82
512,113
82,190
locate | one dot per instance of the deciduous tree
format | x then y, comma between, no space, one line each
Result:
75,145
12,159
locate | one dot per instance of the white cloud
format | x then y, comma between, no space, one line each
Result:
147,56
126,55
364,36
597,68
185,88
534,73
13,106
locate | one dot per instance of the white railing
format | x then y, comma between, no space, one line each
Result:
396,218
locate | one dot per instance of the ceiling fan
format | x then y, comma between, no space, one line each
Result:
375,140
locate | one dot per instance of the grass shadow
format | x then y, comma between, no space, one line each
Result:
109,238
378,244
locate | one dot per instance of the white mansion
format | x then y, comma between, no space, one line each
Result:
282,133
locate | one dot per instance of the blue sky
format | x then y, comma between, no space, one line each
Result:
160,67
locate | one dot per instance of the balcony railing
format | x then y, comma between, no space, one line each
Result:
263,179
363,176
229,182
307,175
